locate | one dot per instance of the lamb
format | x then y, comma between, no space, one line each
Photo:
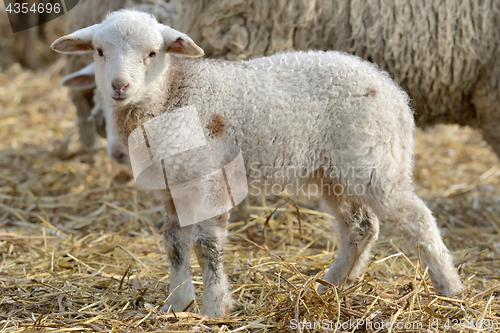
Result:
326,119
444,55
101,113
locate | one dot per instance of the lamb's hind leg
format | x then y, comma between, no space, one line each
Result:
357,225
411,218
177,242
209,239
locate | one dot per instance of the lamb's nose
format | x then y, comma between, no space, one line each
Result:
119,86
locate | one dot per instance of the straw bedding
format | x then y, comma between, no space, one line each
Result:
81,246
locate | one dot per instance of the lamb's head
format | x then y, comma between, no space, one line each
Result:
130,52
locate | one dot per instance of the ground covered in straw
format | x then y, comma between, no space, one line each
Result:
81,246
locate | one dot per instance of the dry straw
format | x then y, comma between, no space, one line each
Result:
81,246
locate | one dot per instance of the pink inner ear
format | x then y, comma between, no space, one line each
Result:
184,46
177,45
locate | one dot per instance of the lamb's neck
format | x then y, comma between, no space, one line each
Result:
132,115
169,87
178,82
152,94
165,94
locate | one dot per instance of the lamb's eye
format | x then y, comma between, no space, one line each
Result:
152,54
100,53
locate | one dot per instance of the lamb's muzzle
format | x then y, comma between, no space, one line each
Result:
323,115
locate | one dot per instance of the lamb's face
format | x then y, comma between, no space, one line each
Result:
130,50
128,58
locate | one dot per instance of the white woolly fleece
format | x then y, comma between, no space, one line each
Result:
307,111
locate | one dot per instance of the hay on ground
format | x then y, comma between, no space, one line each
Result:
81,246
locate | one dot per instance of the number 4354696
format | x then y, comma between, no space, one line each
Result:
24,8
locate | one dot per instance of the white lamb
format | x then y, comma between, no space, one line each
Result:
101,112
334,119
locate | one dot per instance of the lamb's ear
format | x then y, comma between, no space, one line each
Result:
81,80
178,43
79,41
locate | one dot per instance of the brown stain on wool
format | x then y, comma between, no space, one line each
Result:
371,92
216,126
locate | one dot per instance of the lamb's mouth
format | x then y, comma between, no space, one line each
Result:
120,99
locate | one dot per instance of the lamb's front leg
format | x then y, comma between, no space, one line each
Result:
177,242
209,238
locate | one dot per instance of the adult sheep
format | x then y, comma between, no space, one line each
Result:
445,54
315,114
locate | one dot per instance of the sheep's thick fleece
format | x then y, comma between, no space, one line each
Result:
323,118
443,53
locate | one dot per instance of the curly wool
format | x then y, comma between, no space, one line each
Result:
433,48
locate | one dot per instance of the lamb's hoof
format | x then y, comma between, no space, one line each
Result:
169,306
218,309
450,289
180,299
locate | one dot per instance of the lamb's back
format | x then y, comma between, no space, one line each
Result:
320,108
